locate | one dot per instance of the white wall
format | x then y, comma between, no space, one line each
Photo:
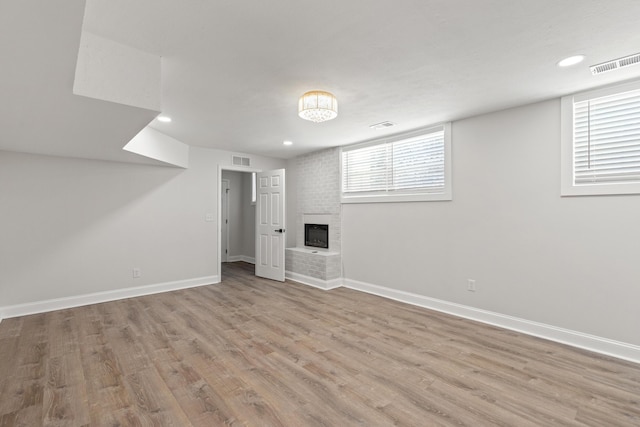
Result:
568,262
70,227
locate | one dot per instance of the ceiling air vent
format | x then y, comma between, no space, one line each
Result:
382,125
240,161
615,64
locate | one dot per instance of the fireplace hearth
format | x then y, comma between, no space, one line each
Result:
316,235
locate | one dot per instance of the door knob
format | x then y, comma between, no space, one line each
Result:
279,230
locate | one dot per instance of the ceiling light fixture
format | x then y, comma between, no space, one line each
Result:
287,143
318,106
164,119
572,60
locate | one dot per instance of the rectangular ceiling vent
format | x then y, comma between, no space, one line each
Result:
382,125
615,64
240,161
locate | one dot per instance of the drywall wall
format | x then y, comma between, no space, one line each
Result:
567,262
156,145
112,71
71,227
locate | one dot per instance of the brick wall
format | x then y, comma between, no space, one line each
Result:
318,193
317,189
324,267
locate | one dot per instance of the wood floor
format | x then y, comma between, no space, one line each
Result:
260,353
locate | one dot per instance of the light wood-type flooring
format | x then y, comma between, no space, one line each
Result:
252,352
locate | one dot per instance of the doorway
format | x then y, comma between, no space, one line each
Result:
236,217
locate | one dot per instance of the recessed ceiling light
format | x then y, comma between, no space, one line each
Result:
164,119
572,60
287,143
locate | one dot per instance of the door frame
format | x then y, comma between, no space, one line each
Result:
219,204
224,256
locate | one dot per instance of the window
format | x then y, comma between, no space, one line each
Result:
411,167
601,141
253,188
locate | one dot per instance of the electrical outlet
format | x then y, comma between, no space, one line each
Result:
209,217
136,273
471,285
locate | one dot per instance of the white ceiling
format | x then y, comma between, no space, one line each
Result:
233,70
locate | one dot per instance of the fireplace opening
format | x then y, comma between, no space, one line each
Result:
316,235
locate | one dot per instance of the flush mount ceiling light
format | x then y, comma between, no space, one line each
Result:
318,106
164,119
572,60
287,143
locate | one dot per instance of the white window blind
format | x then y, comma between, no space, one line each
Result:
418,163
600,140
409,166
366,169
607,139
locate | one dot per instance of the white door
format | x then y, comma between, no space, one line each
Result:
225,220
270,221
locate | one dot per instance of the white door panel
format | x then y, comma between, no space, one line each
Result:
270,223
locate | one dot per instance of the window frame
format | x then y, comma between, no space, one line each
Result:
408,196
567,180
254,188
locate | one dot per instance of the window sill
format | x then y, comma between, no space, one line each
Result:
397,198
599,189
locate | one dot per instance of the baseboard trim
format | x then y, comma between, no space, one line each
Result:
577,339
312,281
100,297
244,258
